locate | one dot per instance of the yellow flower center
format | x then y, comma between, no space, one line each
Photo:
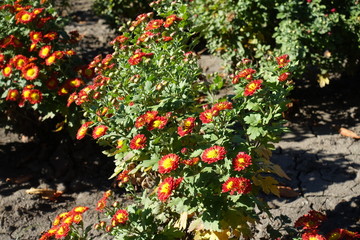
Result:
168,163
165,188
26,17
229,185
213,153
31,72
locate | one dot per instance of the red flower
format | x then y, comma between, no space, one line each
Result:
24,17
99,131
167,38
283,60
45,51
340,233
82,130
208,115
13,95
186,126
138,56
7,70
19,61
251,87
312,236
50,60
191,162
170,20
241,161
140,121
120,217
237,184
123,177
284,76
159,123
154,24
138,142
222,106
30,71
35,96
246,73
311,221
168,163
150,116
52,83
51,36
166,188
213,154
62,231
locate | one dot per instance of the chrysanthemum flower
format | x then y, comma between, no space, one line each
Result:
186,127
168,163
19,61
159,122
283,77
50,60
99,131
241,161
74,82
138,142
87,72
51,36
35,96
120,217
13,95
37,11
35,37
30,71
52,83
240,185
24,17
82,130
251,87
246,73
138,56
222,106
80,209
208,115
77,218
62,231
7,70
140,121
154,24
58,54
150,116
123,177
167,38
191,162
120,143
312,236
340,233
166,188
311,221
282,60
170,20
213,154
26,91
45,51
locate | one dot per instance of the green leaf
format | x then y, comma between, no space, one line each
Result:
253,119
196,153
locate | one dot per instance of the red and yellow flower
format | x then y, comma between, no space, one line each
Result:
159,122
99,131
12,95
208,115
35,96
35,37
282,60
7,70
312,236
19,61
154,24
138,142
240,185
246,73
62,231
120,217
186,126
213,154
241,161
340,233
45,51
24,17
191,161
311,221
30,71
50,60
170,20
169,163
82,130
251,87
283,77
138,56
166,188
223,105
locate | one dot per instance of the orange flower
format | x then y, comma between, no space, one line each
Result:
19,61
237,184
35,96
168,163
30,71
251,87
24,17
140,121
7,71
74,82
159,123
99,131
191,162
26,91
246,73
51,35
138,142
213,154
77,218
282,60
241,161
45,51
80,209
208,115
123,177
154,24
82,130
120,217
50,60
170,20
13,95
186,126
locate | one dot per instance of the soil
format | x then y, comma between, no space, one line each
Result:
322,165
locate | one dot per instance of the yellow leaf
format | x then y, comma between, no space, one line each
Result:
278,170
263,152
267,184
223,235
181,223
323,79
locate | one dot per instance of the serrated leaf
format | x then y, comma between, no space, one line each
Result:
196,153
267,184
253,119
278,170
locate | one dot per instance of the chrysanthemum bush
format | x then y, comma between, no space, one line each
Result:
38,67
200,160
318,33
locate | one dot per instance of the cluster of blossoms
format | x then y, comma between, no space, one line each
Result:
310,223
63,222
31,58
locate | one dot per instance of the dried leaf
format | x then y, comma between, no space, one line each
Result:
323,80
287,192
267,184
347,133
45,193
19,179
278,170
181,223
